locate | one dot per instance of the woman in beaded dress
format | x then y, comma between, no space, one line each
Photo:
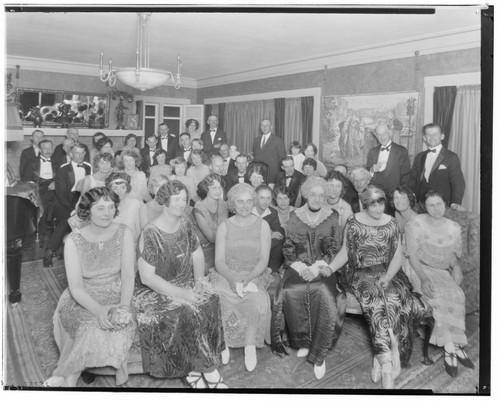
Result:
93,323
307,295
241,278
178,313
373,274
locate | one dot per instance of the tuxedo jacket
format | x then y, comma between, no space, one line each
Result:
145,166
446,177
180,153
27,156
32,172
295,183
60,154
397,170
213,148
173,144
274,222
231,177
65,179
272,153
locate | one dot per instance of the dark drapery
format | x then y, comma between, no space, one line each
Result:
279,117
208,111
444,104
222,108
307,106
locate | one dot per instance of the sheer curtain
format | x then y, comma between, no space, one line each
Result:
242,121
465,141
293,122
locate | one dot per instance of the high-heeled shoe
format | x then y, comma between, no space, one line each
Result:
463,358
452,368
320,370
47,258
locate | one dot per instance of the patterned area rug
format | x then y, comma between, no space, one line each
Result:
32,353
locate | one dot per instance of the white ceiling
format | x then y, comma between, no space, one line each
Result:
219,44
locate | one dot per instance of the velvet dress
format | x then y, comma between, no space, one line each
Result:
177,337
313,311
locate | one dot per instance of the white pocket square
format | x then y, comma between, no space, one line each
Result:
442,167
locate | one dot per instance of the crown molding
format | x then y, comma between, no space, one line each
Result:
68,67
462,39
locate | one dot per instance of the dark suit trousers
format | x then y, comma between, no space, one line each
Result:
47,196
62,228
276,255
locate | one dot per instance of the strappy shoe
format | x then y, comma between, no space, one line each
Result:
197,382
219,384
463,358
450,369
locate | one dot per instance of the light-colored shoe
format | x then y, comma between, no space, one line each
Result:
302,352
225,356
250,357
376,373
214,380
320,370
387,380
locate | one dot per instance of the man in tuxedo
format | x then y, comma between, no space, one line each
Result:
73,133
360,178
184,149
67,182
213,138
228,162
168,142
262,209
388,163
291,178
148,155
270,149
65,156
29,154
437,168
42,171
240,174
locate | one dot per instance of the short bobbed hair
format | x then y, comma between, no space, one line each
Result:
337,175
283,190
237,190
259,168
310,162
432,193
153,182
91,197
129,153
168,190
103,141
207,182
108,157
97,135
129,136
118,175
372,195
312,182
190,121
313,146
201,153
404,190
178,161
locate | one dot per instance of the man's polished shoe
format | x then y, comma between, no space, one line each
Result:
463,358
47,258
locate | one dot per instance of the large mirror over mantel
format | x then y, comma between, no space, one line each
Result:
60,109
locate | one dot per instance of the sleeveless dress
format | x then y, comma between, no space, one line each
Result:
177,337
81,341
246,319
370,250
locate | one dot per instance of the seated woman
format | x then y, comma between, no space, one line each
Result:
161,168
241,256
151,210
312,306
199,166
403,201
179,166
258,174
433,244
129,163
105,145
93,324
94,151
337,185
282,196
103,166
372,251
177,311
207,215
131,142
128,207
311,151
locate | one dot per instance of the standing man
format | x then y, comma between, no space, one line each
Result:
29,154
74,134
213,138
437,168
291,178
67,193
270,149
168,142
388,163
148,155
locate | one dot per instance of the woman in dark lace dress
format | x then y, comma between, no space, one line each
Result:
178,313
373,274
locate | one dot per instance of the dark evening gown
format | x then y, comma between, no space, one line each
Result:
313,311
370,250
177,337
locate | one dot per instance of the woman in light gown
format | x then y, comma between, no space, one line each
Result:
199,165
93,322
129,162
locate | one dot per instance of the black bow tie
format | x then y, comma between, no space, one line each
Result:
431,150
152,150
289,176
45,160
164,137
213,130
79,165
386,148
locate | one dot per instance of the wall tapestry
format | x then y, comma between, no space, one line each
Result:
348,123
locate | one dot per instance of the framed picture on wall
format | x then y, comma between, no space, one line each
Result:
132,121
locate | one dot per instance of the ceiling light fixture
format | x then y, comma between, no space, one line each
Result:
141,77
